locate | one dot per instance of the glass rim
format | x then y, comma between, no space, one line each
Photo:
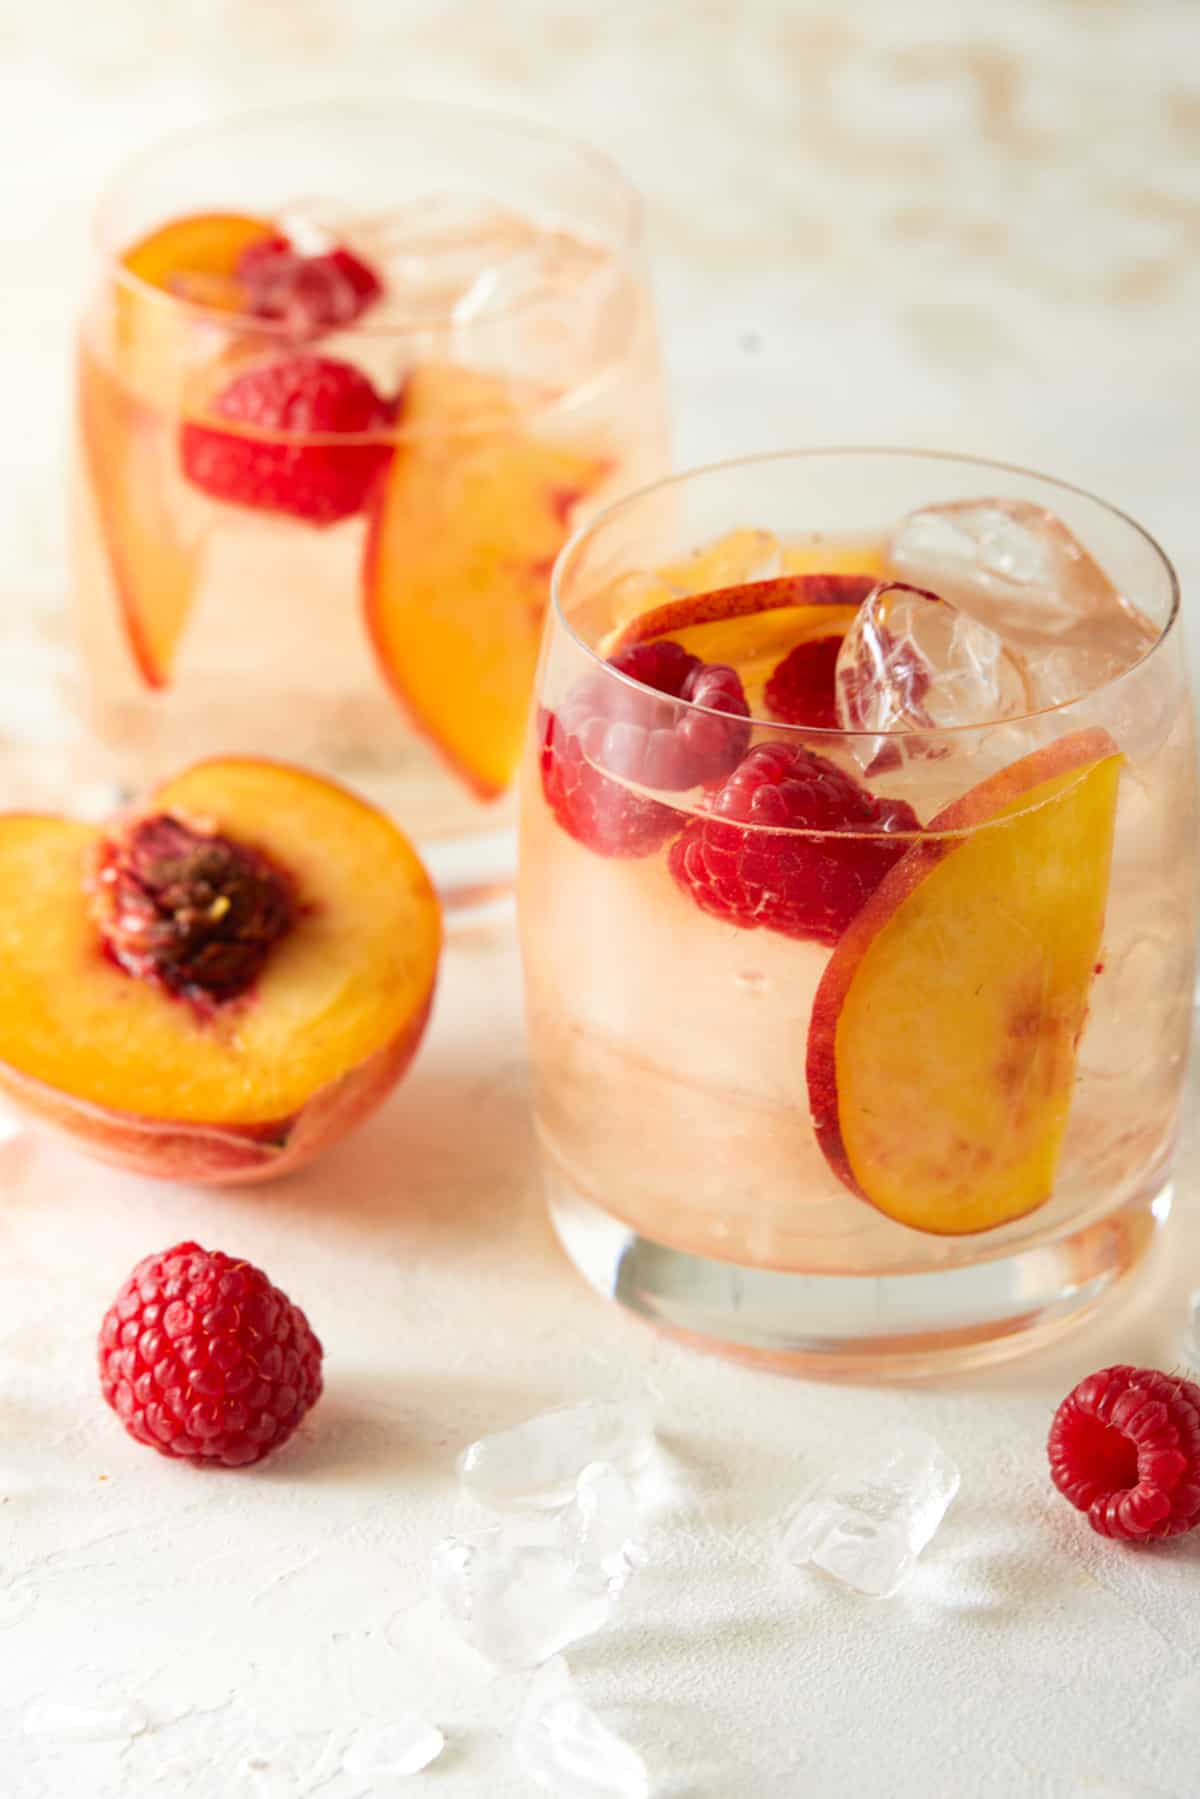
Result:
835,734
401,107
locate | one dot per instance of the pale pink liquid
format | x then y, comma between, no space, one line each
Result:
275,658
669,1046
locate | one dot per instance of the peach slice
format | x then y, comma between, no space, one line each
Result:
460,546
246,1087
196,257
752,626
941,1052
835,556
154,560
736,557
128,444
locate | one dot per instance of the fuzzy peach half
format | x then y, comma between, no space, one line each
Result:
941,1052
255,1086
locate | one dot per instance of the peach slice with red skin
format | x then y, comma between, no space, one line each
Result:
460,545
254,1086
128,442
196,257
751,626
153,559
941,1052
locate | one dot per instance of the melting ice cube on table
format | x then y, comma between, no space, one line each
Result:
403,1747
1017,568
911,661
866,1523
563,1746
519,1603
600,1526
539,1463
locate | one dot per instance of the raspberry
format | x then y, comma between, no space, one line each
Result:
1124,1447
784,877
597,812
308,294
294,399
801,691
637,733
201,1357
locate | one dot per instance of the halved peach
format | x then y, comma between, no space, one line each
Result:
941,1052
752,626
250,1086
460,546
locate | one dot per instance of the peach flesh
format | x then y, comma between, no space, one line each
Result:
460,545
262,1083
941,1051
753,627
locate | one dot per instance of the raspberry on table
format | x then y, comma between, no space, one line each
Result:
1124,1447
801,689
270,461
309,294
790,842
634,729
201,1357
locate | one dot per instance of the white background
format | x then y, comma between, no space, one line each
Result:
962,225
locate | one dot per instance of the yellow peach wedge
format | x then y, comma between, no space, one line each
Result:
220,985
941,1052
460,547
752,626
124,384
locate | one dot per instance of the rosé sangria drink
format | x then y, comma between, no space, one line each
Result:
346,382
857,901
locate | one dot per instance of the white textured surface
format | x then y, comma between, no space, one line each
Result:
967,225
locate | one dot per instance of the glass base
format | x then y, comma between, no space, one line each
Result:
869,1326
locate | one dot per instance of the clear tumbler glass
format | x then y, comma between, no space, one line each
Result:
347,378
858,884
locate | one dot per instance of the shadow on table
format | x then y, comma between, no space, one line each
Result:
451,1153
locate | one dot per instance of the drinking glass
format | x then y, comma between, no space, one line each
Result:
347,377
859,1008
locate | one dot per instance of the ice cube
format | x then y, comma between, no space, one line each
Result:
403,1747
912,661
564,1748
1016,567
867,1522
600,1526
314,224
519,1603
444,251
99,1721
1191,1341
539,1463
